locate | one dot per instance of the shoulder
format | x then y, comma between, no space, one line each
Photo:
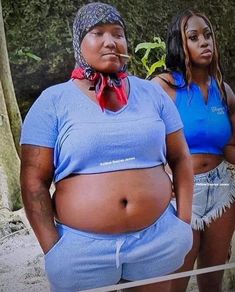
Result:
57,89
164,76
49,100
54,94
147,85
162,80
229,91
148,89
230,96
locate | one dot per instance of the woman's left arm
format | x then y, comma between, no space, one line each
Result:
179,160
229,149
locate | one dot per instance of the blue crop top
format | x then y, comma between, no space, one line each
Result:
87,140
207,127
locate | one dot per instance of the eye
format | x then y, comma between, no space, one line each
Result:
118,35
193,38
97,33
208,35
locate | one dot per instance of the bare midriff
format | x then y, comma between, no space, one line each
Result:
205,162
114,202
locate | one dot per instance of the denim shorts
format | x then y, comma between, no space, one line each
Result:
83,260
214,191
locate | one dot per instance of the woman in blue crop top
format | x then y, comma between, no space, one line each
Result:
207,108
103,137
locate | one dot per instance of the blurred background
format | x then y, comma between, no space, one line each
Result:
39,37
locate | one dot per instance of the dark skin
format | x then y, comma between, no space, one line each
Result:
210,247
36,176
133,199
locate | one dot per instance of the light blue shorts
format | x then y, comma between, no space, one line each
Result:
214,191
83,260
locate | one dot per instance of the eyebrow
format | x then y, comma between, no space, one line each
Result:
195,30
115,25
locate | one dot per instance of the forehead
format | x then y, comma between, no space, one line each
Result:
196,23
108,26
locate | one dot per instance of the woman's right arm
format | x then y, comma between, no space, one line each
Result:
159,79
36,176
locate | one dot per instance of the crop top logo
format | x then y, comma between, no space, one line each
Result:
117,161
218,110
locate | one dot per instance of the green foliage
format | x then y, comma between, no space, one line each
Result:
158,50
39,28
44,28
22,53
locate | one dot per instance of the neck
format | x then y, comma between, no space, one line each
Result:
85,83
200,75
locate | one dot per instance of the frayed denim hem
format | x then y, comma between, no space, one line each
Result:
215,213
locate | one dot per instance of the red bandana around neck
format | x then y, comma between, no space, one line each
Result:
102,82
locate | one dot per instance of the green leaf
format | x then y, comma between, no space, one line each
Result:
157,45
154,66
31,55
22,53
148,46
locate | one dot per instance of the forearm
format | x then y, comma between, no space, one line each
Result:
39,211
183,187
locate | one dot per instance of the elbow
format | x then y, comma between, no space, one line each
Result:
32,189
181,160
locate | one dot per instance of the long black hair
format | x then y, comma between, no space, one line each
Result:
177,56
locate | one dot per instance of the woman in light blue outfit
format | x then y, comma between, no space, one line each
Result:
104,138
207,108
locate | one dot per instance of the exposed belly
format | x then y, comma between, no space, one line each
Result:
205,162
113,202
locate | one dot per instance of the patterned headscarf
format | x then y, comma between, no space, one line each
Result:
87,18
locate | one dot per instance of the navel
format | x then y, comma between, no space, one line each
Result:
124,202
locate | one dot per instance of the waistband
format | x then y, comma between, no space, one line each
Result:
211,173
112,236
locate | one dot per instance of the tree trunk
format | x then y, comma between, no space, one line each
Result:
8,89
10,123
9,162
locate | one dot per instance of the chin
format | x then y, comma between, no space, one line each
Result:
110,70
202,65
110,67
206,62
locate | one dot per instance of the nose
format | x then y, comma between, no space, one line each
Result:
203,42
109,41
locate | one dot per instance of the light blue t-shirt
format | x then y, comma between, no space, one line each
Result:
207,126
88,140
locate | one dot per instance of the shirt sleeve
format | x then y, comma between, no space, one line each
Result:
170,115
168,112
40,124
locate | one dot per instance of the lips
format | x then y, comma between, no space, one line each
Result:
206,53
109,53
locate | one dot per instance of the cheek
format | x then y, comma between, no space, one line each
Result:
212,46
88,46
122,44
125,44
191,52
89,52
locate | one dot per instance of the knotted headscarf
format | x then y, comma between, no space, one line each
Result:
87,18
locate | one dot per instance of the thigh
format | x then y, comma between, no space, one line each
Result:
200,199
157,287
214,250
77,263
216,238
